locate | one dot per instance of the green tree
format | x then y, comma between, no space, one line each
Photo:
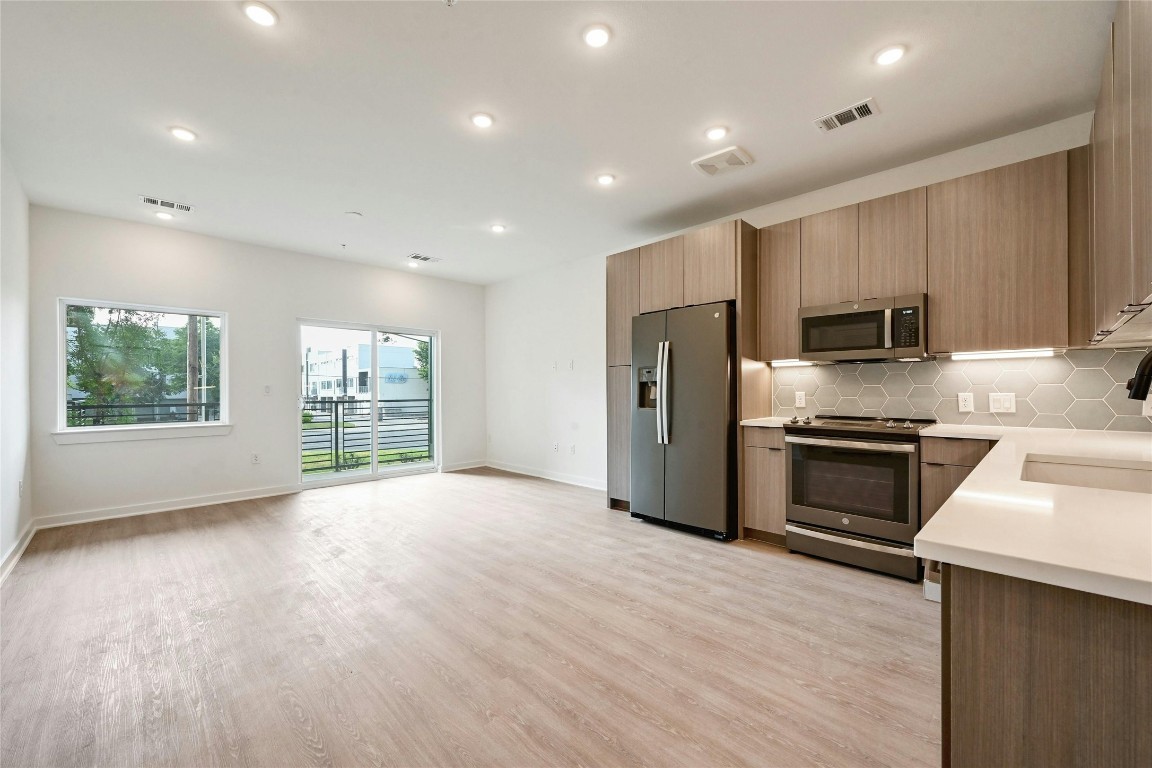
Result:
115,361
421,356
173,359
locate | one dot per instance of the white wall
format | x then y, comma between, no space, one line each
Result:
15,511
546,377
264,290
560,311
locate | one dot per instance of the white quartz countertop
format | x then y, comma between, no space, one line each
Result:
767,421
1093,540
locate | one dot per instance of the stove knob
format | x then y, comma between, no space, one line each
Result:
907,425
807,419
890,425
793,420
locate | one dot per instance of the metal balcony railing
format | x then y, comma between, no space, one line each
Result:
336,435
126,414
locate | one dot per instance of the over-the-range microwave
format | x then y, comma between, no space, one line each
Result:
861,331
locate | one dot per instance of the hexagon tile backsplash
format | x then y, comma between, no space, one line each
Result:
1076,389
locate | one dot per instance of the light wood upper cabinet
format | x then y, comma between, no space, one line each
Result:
894,245
710,264
623,304
830,256
619,431
1081,286
1140,19
998,258
779,269
662,275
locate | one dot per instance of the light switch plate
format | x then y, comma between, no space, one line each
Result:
964,402
801,398
1002,402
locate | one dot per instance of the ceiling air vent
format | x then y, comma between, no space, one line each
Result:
167,204
424,259
723,161
840,117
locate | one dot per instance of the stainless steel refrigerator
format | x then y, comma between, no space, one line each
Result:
684,418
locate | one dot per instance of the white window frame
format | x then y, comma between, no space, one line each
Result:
65,435
375,472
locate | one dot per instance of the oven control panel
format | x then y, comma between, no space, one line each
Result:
907,331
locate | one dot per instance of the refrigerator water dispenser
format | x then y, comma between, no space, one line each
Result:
646,387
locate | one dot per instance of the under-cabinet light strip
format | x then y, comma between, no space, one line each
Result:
1004,353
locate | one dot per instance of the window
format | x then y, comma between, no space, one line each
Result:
131,366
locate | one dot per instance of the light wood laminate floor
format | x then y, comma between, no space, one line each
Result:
472,618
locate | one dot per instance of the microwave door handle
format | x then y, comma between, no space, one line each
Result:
888,329
664,392
659,393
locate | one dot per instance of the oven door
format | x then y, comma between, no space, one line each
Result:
865,487
859,330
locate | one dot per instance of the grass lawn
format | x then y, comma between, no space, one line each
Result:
322,460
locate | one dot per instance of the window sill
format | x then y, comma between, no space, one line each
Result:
124,434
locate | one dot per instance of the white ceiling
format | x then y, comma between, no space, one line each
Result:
364,106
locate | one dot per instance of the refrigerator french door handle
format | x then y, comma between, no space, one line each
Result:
659,392
663,404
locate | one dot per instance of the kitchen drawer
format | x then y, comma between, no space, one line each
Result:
763,437
952,450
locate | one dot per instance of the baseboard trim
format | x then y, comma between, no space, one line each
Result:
131,510
16,550
463,465
560,477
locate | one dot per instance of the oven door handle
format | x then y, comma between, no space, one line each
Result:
854,445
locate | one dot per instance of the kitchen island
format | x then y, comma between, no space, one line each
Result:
1047,600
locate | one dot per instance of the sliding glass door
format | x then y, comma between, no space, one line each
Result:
367,401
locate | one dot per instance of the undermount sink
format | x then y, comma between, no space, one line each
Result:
1087,472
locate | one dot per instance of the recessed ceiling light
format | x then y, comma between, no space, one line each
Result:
716,133
163,215
261,14
890,55
182,133
482,120
605,179
498,228
597,35
413,264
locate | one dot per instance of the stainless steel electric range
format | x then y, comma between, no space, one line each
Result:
854,490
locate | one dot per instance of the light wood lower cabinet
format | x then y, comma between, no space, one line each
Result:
1039,675
765,505
619,433
937,483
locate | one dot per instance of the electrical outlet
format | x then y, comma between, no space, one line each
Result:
555,447
964,402
801,399
267,389
255,458
572,449
1002,402
571,365
1147,409
21,489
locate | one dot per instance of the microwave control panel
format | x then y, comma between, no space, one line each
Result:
907,331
